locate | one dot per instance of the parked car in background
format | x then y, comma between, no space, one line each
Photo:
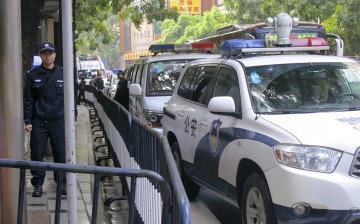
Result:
153,78
88,66
110,85
87,74
112,80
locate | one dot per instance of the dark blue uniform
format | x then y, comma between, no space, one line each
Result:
99,83
122,93
44,109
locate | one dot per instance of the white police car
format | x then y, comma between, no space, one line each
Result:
275,131
110,85
153,78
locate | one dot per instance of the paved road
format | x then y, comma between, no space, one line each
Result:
210,209
206,209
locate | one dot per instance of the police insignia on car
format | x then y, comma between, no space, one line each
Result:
214,136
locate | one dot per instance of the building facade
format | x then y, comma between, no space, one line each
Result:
135,43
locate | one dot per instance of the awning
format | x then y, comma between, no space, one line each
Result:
137,55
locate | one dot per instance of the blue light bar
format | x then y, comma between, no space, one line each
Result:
161,48
181,48
234,47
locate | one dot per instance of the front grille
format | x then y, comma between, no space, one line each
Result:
355,166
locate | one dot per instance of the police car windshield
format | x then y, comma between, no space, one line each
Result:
163,76
86,73
304,87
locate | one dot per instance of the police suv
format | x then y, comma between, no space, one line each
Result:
274,130
153,78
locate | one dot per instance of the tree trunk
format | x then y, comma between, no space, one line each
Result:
30,21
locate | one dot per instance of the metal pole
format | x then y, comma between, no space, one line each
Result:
11,108
67,37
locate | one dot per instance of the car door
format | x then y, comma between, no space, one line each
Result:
134,104
216,130
189,113
113,84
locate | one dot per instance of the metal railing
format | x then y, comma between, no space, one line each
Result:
133,174
132,144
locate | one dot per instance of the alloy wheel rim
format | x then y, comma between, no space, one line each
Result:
255,207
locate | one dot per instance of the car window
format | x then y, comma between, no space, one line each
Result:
227,85
86,73
114,80
139,74
109,79
163,75
135,73
128,73
200,86
186,81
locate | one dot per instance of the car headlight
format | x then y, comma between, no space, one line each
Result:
153,118
313,158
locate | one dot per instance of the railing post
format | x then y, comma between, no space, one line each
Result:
67,37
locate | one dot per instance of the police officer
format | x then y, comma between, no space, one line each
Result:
99,82
44,113
81,89
122,91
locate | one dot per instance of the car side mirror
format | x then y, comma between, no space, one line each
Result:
135,90
222,104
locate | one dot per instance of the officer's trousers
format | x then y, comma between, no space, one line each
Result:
41,132
81,95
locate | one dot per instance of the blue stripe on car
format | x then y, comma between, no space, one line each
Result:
206,161
170,115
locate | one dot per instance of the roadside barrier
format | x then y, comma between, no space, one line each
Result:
134,145
135,176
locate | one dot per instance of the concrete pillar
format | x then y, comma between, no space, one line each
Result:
11,109
50,30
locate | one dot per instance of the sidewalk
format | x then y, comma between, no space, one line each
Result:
42,210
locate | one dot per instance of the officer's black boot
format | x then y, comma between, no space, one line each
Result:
37,191
64,191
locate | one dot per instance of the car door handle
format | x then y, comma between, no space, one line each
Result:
203,123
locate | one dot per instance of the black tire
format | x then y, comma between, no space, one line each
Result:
191,188
256,188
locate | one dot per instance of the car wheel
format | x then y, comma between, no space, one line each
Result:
191,188
256,204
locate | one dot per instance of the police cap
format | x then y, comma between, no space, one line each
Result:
47,46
